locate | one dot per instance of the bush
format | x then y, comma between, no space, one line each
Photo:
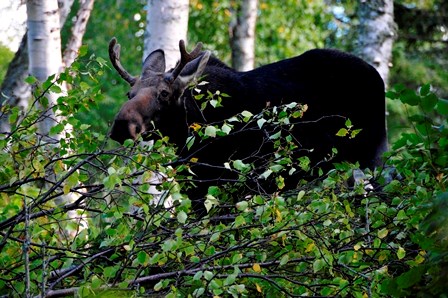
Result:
80,215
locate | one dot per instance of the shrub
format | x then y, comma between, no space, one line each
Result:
80,215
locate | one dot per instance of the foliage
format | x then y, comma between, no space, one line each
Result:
80,215
293,31
5,57
421,158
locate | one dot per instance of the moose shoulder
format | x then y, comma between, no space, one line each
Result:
334,85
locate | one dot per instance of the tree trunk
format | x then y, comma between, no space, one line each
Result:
44,48
166,24
376,34
78,30
243,36
14,90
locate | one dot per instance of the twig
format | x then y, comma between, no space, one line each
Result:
26,244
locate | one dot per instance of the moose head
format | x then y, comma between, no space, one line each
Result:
155,90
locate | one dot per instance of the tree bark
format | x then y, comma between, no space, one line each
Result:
242,39
376,34
78,30
44,49
166,24
14,90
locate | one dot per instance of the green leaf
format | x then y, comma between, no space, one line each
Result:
265,174
241,206
429,102
276,168
198,275
230,280
260,122
210,201
284,259
55,89
425,89
239,221
215,237
348,123
110,271
96,282
410,97
84,126
355,132
392,95
82,50
214,103
342,132
210,131
190,141
195,259
198,292
31,80
240,165
300,195
142,257
275,136
246,114
128,143
182,217
208,275
318,265
442,107
57,129
401,215
226,129
84,86
401,253
382,233
158,286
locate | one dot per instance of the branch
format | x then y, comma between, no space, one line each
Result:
159,276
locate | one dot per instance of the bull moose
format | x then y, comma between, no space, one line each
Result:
334,85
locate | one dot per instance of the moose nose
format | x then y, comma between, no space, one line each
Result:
120,131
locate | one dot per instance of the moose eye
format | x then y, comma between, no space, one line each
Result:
164,94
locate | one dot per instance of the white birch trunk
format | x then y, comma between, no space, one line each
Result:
14,90
243,36
44,47
376,34
166,24
78,30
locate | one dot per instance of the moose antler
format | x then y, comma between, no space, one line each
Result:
114,55
185,57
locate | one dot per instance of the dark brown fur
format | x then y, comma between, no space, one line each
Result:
333,84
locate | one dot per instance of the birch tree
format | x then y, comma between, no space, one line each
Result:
376,34
44,47
242,31
166,24
14,90
78,30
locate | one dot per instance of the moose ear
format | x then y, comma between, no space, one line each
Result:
194,69
155,62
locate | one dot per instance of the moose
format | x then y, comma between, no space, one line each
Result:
335,86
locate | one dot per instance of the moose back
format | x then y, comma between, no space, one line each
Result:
335,86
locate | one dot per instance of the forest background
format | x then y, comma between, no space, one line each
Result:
74,218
